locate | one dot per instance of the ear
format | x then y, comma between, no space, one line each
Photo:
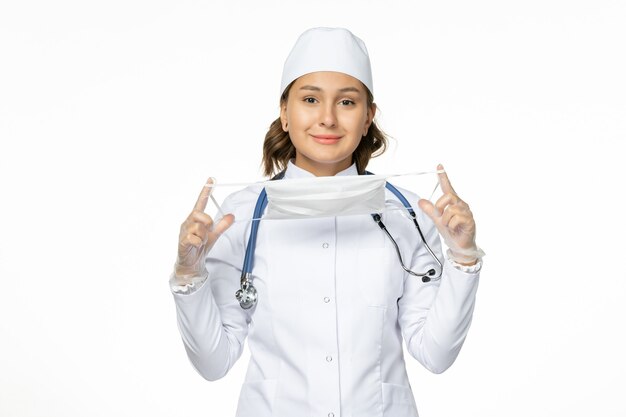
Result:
371,112
283,116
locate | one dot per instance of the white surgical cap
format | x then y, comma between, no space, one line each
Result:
328,49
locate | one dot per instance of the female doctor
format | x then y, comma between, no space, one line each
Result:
334,302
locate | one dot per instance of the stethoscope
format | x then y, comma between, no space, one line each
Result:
247,294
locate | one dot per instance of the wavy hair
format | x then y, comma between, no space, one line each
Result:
278,148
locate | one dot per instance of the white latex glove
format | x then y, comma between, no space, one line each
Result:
197,236
455,222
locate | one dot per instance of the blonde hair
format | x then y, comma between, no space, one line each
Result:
278,148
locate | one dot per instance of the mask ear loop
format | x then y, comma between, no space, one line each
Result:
219,209
397,204
433,193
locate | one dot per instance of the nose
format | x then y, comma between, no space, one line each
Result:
328,118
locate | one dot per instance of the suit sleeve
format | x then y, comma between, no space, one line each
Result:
212,324
435,317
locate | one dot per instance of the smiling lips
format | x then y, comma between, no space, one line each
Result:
326,139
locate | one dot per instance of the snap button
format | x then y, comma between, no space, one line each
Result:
329,358
331,414
326,299
325,245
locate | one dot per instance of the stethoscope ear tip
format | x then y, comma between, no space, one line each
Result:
431,272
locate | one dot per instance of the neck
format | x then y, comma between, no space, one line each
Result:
322,170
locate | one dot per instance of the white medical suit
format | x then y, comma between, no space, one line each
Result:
334,306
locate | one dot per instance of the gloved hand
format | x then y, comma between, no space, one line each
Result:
455,222
197,236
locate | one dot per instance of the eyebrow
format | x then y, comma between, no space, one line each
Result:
341,90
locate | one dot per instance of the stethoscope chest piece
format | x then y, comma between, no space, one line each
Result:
246,295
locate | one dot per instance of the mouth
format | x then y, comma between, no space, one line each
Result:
326,139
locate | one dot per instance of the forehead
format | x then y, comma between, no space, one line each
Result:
328,81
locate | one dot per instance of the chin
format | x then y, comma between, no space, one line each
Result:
331,161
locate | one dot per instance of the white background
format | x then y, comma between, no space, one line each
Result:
112,115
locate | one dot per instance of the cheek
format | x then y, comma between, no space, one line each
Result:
355,122
299,116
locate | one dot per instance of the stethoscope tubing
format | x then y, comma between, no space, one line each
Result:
430,275
247,294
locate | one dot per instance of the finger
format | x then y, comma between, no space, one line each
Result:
444,181
192,240
429,208
444,201
199,230
201,217
204,195
450,212
224,224
455,222
462,223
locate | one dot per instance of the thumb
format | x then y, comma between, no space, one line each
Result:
429,208
224,224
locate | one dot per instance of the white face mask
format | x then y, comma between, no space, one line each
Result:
340,195
331,196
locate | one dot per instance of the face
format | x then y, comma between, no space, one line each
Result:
326,116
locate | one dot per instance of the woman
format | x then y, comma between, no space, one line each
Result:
325,336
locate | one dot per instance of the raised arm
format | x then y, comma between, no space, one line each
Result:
435,317
212,325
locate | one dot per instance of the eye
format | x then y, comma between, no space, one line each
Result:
347,101
309,98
